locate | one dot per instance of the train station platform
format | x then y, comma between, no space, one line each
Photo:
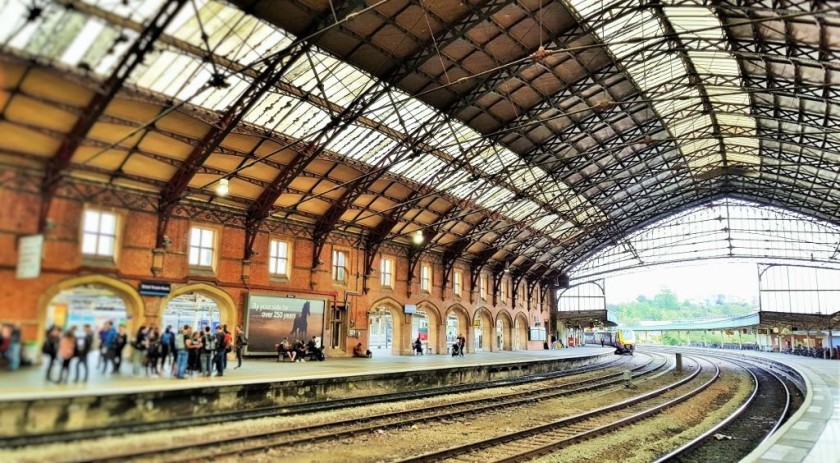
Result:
31,405
812,434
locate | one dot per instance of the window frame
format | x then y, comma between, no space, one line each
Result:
426,278
335,267
386,272
116,237
274,260
214,247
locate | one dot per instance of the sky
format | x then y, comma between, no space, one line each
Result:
689,282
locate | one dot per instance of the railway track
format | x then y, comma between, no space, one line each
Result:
284,410
251,443
756,420
546,438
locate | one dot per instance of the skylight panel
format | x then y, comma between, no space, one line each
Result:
691,125
302,120
465,189
453,179
743,158
85,39
494,198
420,170
695,22
522,209
692,147
716,63
546,221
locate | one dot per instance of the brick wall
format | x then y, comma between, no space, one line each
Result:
24,301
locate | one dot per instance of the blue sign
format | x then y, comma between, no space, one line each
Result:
154,288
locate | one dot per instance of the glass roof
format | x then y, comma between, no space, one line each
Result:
726,228
635,37
315,86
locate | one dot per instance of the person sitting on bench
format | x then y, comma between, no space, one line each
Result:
284,351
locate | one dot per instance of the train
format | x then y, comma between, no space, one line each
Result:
623,340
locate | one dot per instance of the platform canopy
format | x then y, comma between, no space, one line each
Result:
522,133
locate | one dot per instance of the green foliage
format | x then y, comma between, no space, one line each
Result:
667,306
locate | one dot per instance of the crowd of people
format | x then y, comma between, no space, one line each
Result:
176,353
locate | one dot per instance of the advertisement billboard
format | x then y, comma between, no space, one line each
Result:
270,319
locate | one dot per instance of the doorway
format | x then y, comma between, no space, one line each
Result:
381,332
194,309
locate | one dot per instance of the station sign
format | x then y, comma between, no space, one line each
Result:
154,288
30,250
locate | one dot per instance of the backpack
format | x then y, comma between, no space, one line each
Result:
166,339
209,342
180,342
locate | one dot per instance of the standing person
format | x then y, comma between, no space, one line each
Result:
195,345
207,351
13,353
120,341
221,351
50,348
181,354
138,354
83,348
66,350
153,352
418,346
107,338
228,345
102,333
462,343
241,342
166,346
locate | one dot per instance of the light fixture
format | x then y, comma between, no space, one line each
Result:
222,188
417,237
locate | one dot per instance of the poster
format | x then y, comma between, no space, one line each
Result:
270,319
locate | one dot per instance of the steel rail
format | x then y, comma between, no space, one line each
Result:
518,436
251,443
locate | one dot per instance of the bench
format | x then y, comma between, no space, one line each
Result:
282,356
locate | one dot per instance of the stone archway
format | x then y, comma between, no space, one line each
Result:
134,306
397,335
483,330
227,307
436,340
503,331
462,325
520,332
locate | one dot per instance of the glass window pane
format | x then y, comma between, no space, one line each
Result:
108,224
195,236
206,257
89,243
281,249
272,265
207,238
91,221
193,255
106,246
